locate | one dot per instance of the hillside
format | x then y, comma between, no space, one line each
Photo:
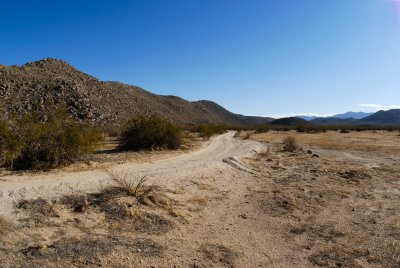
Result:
290,121
50,83
390,117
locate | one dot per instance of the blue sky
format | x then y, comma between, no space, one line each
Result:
255,57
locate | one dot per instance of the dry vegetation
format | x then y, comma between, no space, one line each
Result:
84,229
335,211
319,200
378,142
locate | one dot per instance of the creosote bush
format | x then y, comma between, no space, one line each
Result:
206,131
148,133
290,144
47,141
10,144
262,129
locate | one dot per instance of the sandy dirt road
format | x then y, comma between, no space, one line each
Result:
210,184
219,155
234,203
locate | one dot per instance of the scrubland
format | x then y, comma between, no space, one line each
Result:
245,200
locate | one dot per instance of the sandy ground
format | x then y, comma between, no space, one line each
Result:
230,203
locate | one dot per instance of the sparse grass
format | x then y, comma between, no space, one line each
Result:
381,143
82,251
38,207
198,200
290,144
219,254
79,203
111,219
355,175
147,247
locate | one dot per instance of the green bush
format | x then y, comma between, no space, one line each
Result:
47,141
206,131
10,144
148,133
262,129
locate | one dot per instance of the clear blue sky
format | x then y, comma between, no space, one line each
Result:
256,57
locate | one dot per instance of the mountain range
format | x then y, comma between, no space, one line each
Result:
51,83
390,117
348,115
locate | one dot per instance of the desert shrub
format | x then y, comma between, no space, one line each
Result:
262,129
148,133
290,144
345,131
10,144
47,141
206,131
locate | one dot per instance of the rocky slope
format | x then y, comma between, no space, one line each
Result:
50,83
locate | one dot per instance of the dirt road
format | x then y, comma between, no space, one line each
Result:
219,155
209,186
225,205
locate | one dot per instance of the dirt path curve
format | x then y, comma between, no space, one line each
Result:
220,154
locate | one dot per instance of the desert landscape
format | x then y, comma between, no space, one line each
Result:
197,134
237,200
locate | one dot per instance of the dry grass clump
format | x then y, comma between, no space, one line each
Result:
290,144
355,175
123,219
38,207
147,247
219,254
79,203
123,185
4,225
81,251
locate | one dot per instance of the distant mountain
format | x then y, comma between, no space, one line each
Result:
348,115
390,117
32,87
354,115
332,121
306,117
289,121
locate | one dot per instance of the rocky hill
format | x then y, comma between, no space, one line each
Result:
50,83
